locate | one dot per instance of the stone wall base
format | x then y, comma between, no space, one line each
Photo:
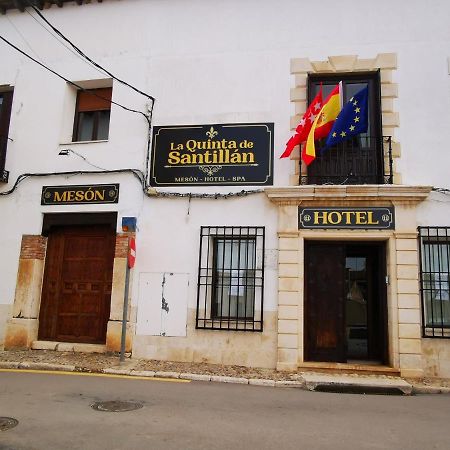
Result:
114,336
20,333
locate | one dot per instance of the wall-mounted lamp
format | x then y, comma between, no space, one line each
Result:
64,152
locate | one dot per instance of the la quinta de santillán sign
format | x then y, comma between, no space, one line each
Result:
211,155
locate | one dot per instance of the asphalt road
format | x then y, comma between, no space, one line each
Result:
54,412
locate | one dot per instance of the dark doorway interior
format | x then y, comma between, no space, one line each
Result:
345,302
76,293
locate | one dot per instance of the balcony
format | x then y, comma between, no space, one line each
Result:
361,160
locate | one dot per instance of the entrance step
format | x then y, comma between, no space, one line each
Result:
342,368
356,384
68,347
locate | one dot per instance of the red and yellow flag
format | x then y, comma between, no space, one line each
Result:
322,123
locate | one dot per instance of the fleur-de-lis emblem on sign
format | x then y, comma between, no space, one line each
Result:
211,133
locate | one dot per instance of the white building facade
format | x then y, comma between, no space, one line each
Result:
295,269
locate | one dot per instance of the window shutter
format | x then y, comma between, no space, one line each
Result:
89,102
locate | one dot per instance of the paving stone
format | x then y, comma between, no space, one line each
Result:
235,380
161,374
261,382
195,377
117,371
288,383
142,373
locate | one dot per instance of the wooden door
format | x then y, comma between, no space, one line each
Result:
76,293
324,305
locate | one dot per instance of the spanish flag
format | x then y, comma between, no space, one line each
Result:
323,123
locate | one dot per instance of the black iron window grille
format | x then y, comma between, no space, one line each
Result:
434,281
231,278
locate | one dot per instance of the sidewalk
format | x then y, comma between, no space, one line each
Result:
110,364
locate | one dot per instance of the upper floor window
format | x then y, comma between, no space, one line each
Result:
92,115
434,280
361,159
5,115
231,278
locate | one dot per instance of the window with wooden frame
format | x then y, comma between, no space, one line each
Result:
92,115
434,281
360,160
231,278
5,116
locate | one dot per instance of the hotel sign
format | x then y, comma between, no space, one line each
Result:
79,195
212,155
362,218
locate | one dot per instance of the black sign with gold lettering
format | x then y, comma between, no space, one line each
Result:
365,218
211,155
78,195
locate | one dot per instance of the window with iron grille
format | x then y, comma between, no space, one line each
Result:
361,159
231,278
434,280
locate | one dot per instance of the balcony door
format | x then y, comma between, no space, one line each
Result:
358,160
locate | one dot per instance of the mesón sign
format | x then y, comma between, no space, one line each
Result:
211,155
363,218
78,195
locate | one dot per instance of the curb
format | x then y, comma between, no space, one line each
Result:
430,390
417,389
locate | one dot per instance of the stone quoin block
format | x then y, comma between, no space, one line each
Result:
408,272
344,63
288,341
288,284
407,257
301,65
409,331
390,119
409,316
409,301
288,270
407,286
363,65
288,298
287,355
389,90
298,94
288,243
287,312
287,326
288,257
386,61
412,346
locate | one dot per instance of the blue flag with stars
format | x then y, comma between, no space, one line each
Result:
352,120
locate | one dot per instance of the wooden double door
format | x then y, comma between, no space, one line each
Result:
345,302
76,293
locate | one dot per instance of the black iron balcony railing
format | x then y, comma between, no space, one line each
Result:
361,160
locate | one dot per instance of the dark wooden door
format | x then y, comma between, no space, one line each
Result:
324,305
76,293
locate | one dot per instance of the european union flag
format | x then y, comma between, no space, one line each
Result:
352,120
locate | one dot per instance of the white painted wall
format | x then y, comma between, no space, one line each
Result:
206,62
